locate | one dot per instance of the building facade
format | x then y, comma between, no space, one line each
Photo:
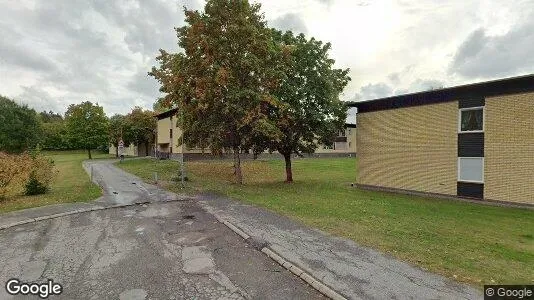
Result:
344,144
169,133
474,141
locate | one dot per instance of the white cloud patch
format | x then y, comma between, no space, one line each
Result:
55,52
484,56
289,21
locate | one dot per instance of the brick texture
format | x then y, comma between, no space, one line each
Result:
413,148
509,148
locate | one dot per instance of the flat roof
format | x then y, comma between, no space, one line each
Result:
512,85
166,114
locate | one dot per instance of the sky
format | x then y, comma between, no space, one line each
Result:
57,52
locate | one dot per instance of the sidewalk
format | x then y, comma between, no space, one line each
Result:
354,271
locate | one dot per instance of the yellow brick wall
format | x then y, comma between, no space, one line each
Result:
509,148
412,148
163,130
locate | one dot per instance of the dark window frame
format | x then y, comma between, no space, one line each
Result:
461,119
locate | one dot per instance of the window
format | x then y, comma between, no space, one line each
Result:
471,119
331,146
170,133
471,169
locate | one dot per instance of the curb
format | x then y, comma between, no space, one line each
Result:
298,271
63,214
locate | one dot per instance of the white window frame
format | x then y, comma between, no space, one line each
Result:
483,108
471,181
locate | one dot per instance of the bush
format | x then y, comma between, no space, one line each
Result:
34,186
13,171
25,174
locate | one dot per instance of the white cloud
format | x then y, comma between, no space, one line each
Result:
55,52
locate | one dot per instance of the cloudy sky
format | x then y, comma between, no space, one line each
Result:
57,52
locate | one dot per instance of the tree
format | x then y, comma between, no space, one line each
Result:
162,105
139,127
19,127
87,126
54,133
223,80
117,124
50,117
311,113
55,136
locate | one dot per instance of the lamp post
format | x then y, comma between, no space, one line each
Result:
182,166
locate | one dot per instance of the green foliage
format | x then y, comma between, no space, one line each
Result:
116,129
312,112
139,126
87,126
19,127
54,132
224,78
55,136
50,117
34,187
30,173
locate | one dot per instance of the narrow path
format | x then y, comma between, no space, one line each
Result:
354,271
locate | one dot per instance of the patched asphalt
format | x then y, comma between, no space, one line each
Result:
160,250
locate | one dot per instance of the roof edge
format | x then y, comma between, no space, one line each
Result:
511,85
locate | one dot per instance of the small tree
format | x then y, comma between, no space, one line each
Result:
87,126
224,78
311,113
19,127
117,124
139,127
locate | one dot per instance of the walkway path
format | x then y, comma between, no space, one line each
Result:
169,248
354,271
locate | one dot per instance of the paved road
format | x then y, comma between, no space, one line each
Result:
160,250
356,272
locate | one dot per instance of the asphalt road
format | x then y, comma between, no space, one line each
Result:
161,250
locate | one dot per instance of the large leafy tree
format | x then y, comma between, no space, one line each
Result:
224,78
312,112
87,126
19,127
54,133
117,124
139,127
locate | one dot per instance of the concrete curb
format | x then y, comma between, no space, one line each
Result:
293,268
63,214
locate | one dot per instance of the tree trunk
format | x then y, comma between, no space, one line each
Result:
237,167
89,153
147,149
289,172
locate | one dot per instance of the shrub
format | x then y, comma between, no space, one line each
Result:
40,176
14,170
25,174
34,186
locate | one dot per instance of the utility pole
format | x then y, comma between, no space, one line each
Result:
182,167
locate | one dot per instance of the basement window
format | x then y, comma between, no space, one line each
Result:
471,120
471,169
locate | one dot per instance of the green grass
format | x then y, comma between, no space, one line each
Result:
471,243
71,184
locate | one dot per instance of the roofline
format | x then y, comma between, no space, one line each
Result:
497,87
166,114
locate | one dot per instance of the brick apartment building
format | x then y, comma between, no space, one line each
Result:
474,141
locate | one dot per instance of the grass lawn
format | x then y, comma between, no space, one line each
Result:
72,184
471,243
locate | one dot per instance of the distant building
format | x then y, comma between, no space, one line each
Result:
344,144
168,144
474,141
